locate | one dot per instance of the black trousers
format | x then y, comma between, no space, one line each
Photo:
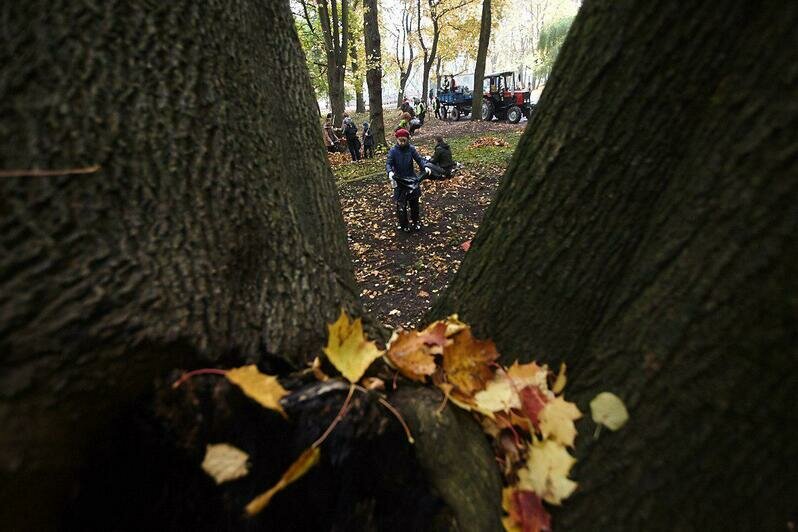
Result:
405,198
354,149
368,151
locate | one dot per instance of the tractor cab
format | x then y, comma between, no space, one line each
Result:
501,98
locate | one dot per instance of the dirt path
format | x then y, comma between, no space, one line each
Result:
400,275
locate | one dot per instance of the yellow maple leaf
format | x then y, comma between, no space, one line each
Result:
546,471
608,409
265,389
559,383
348,349
557,421
301,466
224,462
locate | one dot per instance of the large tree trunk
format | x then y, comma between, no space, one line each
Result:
336,46
371,33
202,240
198,240
482,54
645,233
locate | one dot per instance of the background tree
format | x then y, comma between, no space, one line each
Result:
482,53
371,32
335,32
306,21
435,11
356,50
646,234
551,40
404,54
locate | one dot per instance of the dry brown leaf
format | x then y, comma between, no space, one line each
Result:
265,389
411,351
546,471
467,362
301,466
224,462
557,421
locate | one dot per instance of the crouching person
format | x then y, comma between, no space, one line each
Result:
406,184
441,165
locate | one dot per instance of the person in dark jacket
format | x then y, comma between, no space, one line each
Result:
441,164
368,141
405,183
352,142
407,108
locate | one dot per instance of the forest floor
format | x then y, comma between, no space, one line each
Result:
400,275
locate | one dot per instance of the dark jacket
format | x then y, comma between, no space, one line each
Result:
350,130
443,156
368,137
400,162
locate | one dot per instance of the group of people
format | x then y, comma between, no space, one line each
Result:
412,117
405,182
353,142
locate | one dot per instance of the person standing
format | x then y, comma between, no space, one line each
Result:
330,138
421,111
437,108
405,183
352,142
368,141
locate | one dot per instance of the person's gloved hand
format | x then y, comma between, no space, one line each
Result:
393,181
428,170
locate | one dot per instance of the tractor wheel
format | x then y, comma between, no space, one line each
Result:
454,114
514,114
487,111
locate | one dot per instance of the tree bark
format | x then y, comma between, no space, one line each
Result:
645,233
196,242
405,68
482,54
371,31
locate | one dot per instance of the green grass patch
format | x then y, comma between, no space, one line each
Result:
485,155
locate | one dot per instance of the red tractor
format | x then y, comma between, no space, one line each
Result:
501,99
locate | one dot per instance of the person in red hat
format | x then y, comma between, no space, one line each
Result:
404,181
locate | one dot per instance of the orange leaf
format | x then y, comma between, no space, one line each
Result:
467,362
411,354
301,466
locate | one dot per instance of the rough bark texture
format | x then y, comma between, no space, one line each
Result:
200,239
645,233
371,33
482,55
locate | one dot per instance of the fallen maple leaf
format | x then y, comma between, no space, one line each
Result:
559,382
301,466
499,395
546,471
557,421
525,511
466,245
523,375
224,462
608,409
265,389
411,351
348,349
467,362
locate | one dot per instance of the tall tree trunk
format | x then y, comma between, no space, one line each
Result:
357,76
371,33
336,46
194,242
646,236
482,54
